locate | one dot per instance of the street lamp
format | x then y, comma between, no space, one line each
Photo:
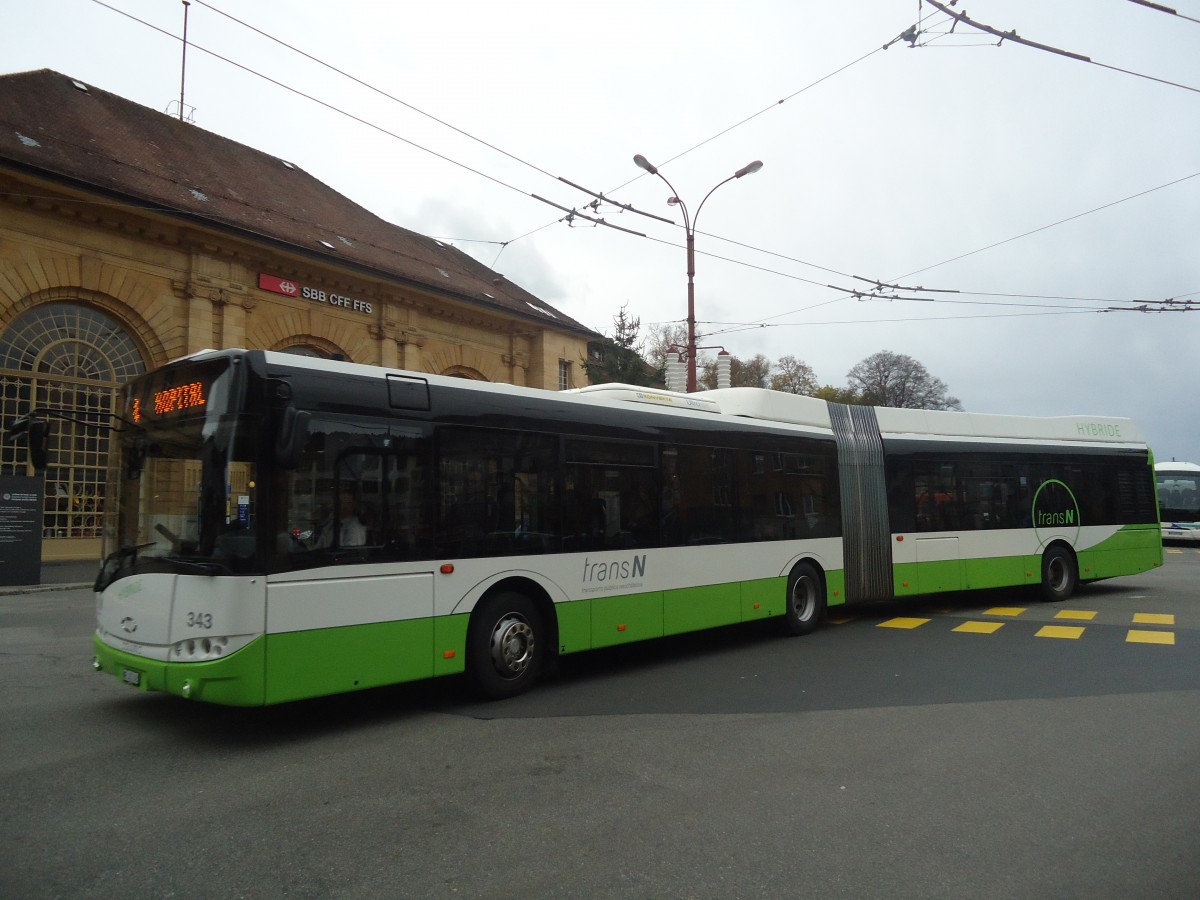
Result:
689,227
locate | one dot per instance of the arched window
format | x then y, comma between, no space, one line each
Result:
309,345
464,372
72,358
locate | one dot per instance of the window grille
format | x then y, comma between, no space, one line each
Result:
72,358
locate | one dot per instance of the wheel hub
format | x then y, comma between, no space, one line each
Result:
512,646
802,598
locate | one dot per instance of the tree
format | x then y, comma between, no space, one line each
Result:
838,394
754,372
667,336
621,360
894,379
794,377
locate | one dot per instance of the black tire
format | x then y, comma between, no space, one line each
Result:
506,645
1060,574
805,600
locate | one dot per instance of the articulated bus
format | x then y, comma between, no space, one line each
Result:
293,527
1178,500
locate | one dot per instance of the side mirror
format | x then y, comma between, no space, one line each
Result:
135,460
289,440
39,431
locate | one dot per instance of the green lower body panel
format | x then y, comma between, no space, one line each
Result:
236,680
631,617
939,576
280,667
450,644
574,626
763,598
980,574
704,607
608,621
835,587
1133,549
1137,548
333,660
904,576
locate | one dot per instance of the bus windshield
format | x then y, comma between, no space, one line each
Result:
187,496
1179,494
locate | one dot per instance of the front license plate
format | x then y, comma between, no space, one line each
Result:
129,676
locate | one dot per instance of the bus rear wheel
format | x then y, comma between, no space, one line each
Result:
1060,574
505,645
805,600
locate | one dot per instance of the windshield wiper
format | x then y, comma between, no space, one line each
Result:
115,562
127,558
201,568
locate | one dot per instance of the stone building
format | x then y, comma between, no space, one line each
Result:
129,238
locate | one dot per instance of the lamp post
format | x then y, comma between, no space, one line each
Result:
689,227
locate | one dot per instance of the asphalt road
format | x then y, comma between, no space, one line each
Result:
867,760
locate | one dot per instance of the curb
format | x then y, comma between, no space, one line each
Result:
42,588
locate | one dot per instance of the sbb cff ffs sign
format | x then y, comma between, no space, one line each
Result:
291,288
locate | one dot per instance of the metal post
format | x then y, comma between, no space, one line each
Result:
689,227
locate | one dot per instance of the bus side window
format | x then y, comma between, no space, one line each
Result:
610,495
358,485
902,494
496,492
699,495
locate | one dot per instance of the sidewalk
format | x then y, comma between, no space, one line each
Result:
59,576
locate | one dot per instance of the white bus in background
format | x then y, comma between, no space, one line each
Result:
1178,500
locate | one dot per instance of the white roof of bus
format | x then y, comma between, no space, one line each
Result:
1174,466
764,404
795,409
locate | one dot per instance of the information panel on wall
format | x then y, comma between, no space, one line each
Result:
21,529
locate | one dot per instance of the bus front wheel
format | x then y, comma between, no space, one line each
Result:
1060,574
505,645
805,600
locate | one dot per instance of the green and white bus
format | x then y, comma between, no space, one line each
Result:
292,527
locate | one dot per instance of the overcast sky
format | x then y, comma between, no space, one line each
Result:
942,166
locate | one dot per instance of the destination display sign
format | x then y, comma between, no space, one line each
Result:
182,392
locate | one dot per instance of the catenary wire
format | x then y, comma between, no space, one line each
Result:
504,244
1017,39
1158,7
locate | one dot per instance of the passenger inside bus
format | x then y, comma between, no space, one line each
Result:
344,523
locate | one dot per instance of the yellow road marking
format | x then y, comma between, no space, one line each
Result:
1069,632
1004,611
902,622
1080,614
1150,637
980,627
1153,619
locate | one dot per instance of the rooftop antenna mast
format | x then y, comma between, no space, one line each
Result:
183,70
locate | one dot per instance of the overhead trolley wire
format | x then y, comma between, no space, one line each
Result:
372,87
1158,7
349,115
1017,39
575,213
